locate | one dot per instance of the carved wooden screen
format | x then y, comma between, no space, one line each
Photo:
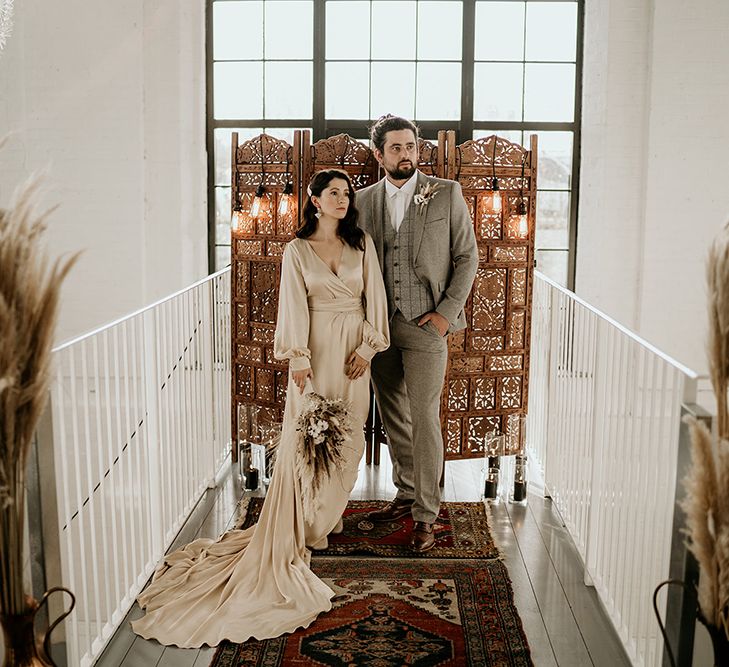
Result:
257,245
487,373
486,385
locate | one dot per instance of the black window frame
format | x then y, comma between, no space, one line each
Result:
322,127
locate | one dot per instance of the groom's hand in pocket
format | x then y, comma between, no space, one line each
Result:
356,366
300,377
439,322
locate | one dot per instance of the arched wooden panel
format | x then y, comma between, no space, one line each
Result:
486,386
341,152
257,243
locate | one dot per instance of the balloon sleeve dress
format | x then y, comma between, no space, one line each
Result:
257,583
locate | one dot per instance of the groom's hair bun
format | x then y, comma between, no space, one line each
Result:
388,123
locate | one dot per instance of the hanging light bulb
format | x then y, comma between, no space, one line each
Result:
256,205
520,221
236,217
495,192
495,195
285,202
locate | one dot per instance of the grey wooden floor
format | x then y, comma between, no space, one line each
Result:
563,619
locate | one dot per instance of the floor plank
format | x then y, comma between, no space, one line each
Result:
119,645
604,648
524,598
178,657
204,657
142,653
564,634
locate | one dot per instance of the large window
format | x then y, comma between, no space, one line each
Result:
509,67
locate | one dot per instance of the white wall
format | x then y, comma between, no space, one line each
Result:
655,156
110,96
615,97
687,191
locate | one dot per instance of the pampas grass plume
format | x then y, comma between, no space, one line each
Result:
707,483
717,278
29,295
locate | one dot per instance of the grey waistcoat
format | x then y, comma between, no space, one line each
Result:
404,291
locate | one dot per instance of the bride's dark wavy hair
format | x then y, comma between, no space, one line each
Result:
348,230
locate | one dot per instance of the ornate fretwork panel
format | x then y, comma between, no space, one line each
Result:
488,368
430,157
257,242
341,152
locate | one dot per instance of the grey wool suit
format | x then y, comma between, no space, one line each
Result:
428,264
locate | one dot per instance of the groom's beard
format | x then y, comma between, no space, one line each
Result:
404,170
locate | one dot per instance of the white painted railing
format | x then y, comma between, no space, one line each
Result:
604,417
141,425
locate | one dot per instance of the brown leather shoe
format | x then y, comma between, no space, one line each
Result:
395,509
423,538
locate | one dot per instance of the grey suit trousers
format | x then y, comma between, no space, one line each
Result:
408,379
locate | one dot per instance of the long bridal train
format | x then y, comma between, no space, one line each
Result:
257,582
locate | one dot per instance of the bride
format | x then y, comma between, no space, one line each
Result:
332,319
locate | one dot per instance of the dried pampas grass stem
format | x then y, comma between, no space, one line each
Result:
700,508
29,295
717,278
707,483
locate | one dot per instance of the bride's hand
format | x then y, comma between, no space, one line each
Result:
299,378
357,366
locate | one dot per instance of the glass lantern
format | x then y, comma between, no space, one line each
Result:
493,449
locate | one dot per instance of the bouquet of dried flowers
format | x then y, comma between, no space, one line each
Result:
323,427
707,483
29,293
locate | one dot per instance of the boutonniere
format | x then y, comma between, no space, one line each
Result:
424,195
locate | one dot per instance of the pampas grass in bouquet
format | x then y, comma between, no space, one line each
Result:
707,483
29,294
323,427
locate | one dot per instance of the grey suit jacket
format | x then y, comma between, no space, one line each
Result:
445,255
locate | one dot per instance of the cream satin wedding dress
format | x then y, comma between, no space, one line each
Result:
257,582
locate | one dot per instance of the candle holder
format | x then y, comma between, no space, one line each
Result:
493,448
258,439
491,485
244,458
521,470
270,435
244,445
252,478
519,491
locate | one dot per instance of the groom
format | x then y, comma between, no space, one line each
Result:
427,250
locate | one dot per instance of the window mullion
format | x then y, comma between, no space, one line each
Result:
467,70
576,149
319,26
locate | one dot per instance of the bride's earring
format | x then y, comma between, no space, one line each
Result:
318,213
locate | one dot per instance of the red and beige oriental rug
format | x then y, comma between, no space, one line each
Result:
451,606
461,531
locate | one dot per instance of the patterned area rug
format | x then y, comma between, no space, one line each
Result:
395,612
461,531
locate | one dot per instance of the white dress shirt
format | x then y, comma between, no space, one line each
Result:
398,199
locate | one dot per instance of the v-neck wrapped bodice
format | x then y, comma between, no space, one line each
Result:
308,286
319,278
